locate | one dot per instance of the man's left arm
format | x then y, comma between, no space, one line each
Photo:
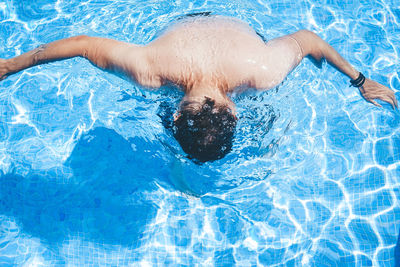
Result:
312,45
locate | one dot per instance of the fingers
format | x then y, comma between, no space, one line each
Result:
390,101
393,97
374,102
372,90
387,98
390,98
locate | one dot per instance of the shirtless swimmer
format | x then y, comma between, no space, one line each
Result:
208,57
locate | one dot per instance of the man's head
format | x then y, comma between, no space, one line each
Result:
205,129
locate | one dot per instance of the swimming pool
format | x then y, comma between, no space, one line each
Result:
89,175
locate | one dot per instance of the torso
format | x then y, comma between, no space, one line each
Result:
219,51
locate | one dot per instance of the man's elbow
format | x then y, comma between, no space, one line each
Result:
307,35
83,44
310,43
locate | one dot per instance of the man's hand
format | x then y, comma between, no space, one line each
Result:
312,45
372,90
4,69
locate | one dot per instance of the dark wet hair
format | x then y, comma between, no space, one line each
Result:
205,130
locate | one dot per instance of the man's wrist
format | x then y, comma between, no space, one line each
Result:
354,74
359,81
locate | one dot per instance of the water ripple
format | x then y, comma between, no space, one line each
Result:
89,176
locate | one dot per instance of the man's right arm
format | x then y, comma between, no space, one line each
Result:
105,53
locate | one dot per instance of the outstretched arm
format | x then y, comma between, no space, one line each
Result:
312,45
105,53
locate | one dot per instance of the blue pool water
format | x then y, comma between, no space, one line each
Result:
89,175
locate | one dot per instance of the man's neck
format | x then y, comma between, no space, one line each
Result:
198,93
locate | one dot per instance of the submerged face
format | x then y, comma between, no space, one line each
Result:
205,130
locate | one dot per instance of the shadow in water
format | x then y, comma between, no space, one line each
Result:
103,202
108,198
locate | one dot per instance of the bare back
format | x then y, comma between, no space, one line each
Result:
203,55
221,52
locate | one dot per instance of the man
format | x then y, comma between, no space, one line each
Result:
208,57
